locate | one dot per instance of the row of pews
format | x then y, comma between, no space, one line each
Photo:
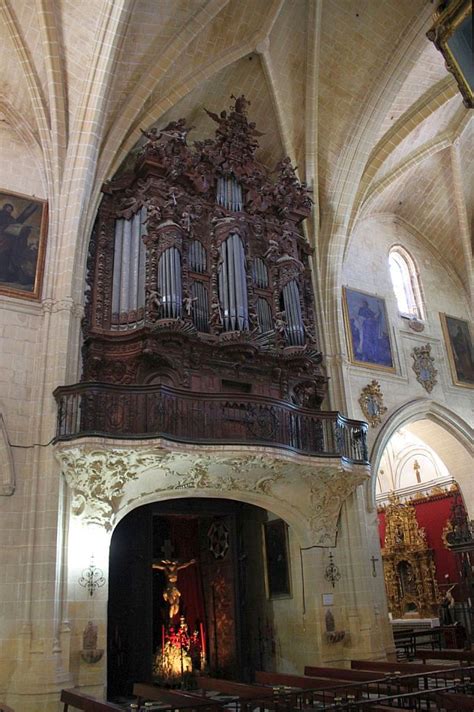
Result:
367,686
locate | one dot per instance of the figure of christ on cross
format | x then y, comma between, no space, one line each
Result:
171,594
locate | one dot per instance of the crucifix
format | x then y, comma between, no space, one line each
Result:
417,469
373,560
170,568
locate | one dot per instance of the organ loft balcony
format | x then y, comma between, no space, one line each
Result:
200,325
140,412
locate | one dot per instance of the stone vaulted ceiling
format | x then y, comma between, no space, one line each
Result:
352,91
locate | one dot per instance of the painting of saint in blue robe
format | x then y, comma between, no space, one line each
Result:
368,331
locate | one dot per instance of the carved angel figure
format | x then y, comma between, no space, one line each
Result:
188,303
155,300
273,249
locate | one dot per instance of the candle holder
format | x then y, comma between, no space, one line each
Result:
332,573
92,578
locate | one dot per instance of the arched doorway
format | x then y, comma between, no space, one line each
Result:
422,477
225,581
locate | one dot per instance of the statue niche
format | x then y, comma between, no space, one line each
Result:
198,260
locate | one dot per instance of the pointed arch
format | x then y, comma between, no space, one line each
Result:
418,409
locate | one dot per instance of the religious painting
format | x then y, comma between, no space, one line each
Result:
367,330
275,537
458,340
451,34
23,227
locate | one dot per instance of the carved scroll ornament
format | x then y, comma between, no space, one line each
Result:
371,403
103,482
97,480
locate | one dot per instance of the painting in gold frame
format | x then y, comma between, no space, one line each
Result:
458,339
452,36
367,330
277,565
23,230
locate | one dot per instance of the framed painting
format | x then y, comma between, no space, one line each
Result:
452,36
367,330
23,229
457,336
277,569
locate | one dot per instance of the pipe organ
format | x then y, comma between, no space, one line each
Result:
199,273
128,287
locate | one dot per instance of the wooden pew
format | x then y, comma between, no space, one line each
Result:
454,701
343,674
234,689
409,640
462,656
375,680
277,678
80,701
173,699
311,684
390,667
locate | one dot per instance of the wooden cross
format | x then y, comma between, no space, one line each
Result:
167,549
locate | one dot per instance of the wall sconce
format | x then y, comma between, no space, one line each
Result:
92,578
332,572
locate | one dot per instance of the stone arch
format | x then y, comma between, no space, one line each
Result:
272,505
418,409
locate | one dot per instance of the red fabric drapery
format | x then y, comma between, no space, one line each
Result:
184,535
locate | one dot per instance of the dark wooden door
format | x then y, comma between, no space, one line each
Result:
220,582
129,639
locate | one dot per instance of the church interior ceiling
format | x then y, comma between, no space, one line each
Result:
370,135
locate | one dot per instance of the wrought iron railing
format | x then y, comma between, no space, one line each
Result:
97,409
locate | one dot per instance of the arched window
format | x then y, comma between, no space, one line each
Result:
405,283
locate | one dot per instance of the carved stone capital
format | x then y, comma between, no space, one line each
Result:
52,306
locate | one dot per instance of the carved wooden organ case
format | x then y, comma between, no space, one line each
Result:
198,271
409,569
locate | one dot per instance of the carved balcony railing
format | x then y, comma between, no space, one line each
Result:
95,409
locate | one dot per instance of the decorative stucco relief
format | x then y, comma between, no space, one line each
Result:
105,482
97,479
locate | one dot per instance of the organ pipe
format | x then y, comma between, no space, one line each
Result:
128,279
264,315
197,257
259,273
294,319
233,285
229,193
200,307
169,283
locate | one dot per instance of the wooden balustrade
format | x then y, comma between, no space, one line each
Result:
88,409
